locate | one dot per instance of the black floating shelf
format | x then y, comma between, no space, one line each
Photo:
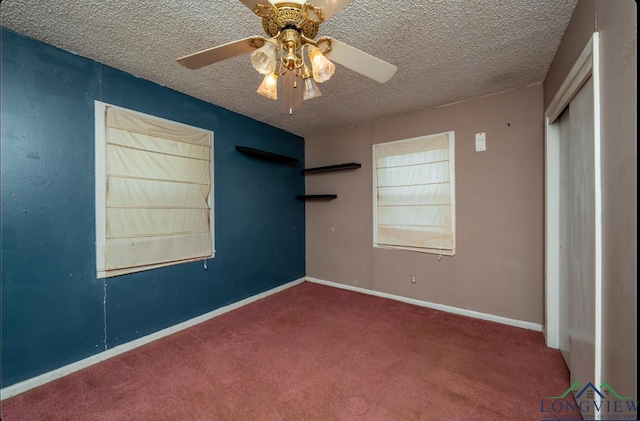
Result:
339,167
317,197
268,156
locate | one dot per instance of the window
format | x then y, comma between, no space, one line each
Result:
414,197
154,192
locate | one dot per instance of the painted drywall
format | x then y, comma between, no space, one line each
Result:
579,31
54,310
616,23
498,266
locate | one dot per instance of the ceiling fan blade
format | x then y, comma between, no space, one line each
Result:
330,7
221,52
253,4
361,62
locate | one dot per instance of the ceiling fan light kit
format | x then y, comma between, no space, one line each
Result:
322,67
311,90
291,28
264,58
269,86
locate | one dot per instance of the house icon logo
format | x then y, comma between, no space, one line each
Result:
603,402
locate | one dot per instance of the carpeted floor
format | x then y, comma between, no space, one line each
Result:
314,352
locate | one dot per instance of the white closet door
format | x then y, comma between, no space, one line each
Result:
578,236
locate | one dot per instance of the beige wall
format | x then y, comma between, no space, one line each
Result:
578,33
616,22
498,267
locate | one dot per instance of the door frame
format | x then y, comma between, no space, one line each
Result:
585,66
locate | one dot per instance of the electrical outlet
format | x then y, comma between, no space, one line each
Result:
413,279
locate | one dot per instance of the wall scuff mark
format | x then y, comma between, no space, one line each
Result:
104,309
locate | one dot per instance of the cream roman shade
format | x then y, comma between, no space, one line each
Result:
415,191
158,182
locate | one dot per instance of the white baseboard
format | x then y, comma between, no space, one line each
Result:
28,384
449,309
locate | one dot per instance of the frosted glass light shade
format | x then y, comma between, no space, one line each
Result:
311,90
264,58
321,66
269,86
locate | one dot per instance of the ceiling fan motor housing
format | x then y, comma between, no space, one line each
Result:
304,18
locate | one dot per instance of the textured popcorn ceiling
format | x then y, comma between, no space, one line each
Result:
446,50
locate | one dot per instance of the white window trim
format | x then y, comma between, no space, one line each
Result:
101,191
452,171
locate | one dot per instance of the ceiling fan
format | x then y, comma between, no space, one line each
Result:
292,27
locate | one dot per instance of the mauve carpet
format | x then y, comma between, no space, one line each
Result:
314,352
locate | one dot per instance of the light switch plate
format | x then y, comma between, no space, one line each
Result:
481,142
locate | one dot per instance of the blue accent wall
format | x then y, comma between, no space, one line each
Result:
54,309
